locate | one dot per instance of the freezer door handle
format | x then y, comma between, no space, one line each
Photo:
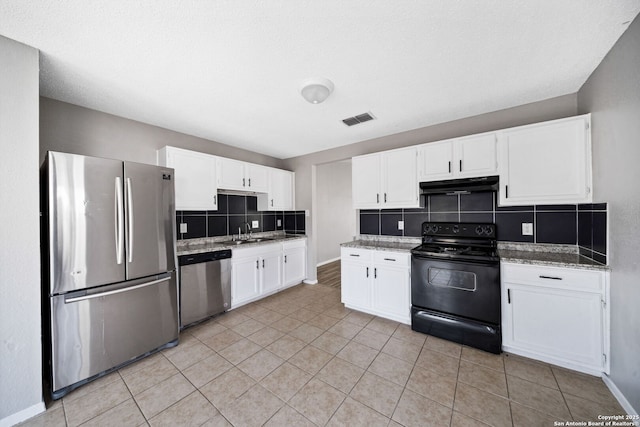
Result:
129,221
115,291
119,220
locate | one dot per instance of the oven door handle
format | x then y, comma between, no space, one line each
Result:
456,261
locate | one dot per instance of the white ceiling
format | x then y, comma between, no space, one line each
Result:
231,70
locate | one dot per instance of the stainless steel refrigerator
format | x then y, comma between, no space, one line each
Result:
109,282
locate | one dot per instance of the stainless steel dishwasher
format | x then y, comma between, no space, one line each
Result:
205,285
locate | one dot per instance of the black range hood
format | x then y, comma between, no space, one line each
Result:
466,185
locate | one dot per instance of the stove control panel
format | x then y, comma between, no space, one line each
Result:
462,229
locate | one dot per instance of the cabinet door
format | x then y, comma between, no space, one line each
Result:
561,324
400,188
435,161
546,163
476,156
245,283
257,178
391,292
366,181
281,190
270,265
231,174
195,179
356,284
295,265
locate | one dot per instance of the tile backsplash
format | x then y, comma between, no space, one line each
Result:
234,211
584,225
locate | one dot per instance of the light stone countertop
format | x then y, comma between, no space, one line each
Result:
392,244
210,244
566,256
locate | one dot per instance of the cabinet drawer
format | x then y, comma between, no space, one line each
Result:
356,254
297,243
391,259
554,277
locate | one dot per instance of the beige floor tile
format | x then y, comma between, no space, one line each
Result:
205,330
479,357
339,312
231,318
285,381
461,420
187,355
252,310
583,385
193,410
529,370
434,386
438,362
287,416
185,339
317,401
247,328
265,336
358,354
206,370
331,343
99,383
544,399
149,376
95,403
415,410
443,346
340,374
253,408
483,378
377,393
239,351
587,410
354,414
310,359
404,332
383,326
222,340
306,333
125,414
371,338
217,421
286,324
404,350
345,329
359,318
303,315
225,389
268,317
481,405
160,397
260,364
527,417
323,322
53,417
286,346
391,368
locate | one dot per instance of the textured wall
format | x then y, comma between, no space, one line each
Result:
20,348
612,96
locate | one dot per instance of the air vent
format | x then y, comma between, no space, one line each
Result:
360,118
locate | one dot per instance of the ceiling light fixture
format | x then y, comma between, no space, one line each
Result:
316,90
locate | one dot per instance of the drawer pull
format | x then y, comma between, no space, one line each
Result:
551,277
354,255
389,259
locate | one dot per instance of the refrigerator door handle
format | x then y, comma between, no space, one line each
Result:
129,221
119,220
116,291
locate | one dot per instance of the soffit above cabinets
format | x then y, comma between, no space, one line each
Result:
232,71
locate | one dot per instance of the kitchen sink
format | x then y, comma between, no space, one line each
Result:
242,242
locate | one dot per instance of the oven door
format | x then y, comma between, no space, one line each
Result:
461,288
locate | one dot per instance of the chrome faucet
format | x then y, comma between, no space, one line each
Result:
247,230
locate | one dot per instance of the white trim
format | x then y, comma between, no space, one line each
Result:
23,415
328,261
618,395
310,282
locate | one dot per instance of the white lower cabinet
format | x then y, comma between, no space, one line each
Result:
377,282
262,270
557,315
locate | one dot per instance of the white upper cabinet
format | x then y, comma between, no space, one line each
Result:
242,176
467,157
546,163
385,180
279,194
195,178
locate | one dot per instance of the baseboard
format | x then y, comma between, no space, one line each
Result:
310,282
23,415
618,395
329,261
